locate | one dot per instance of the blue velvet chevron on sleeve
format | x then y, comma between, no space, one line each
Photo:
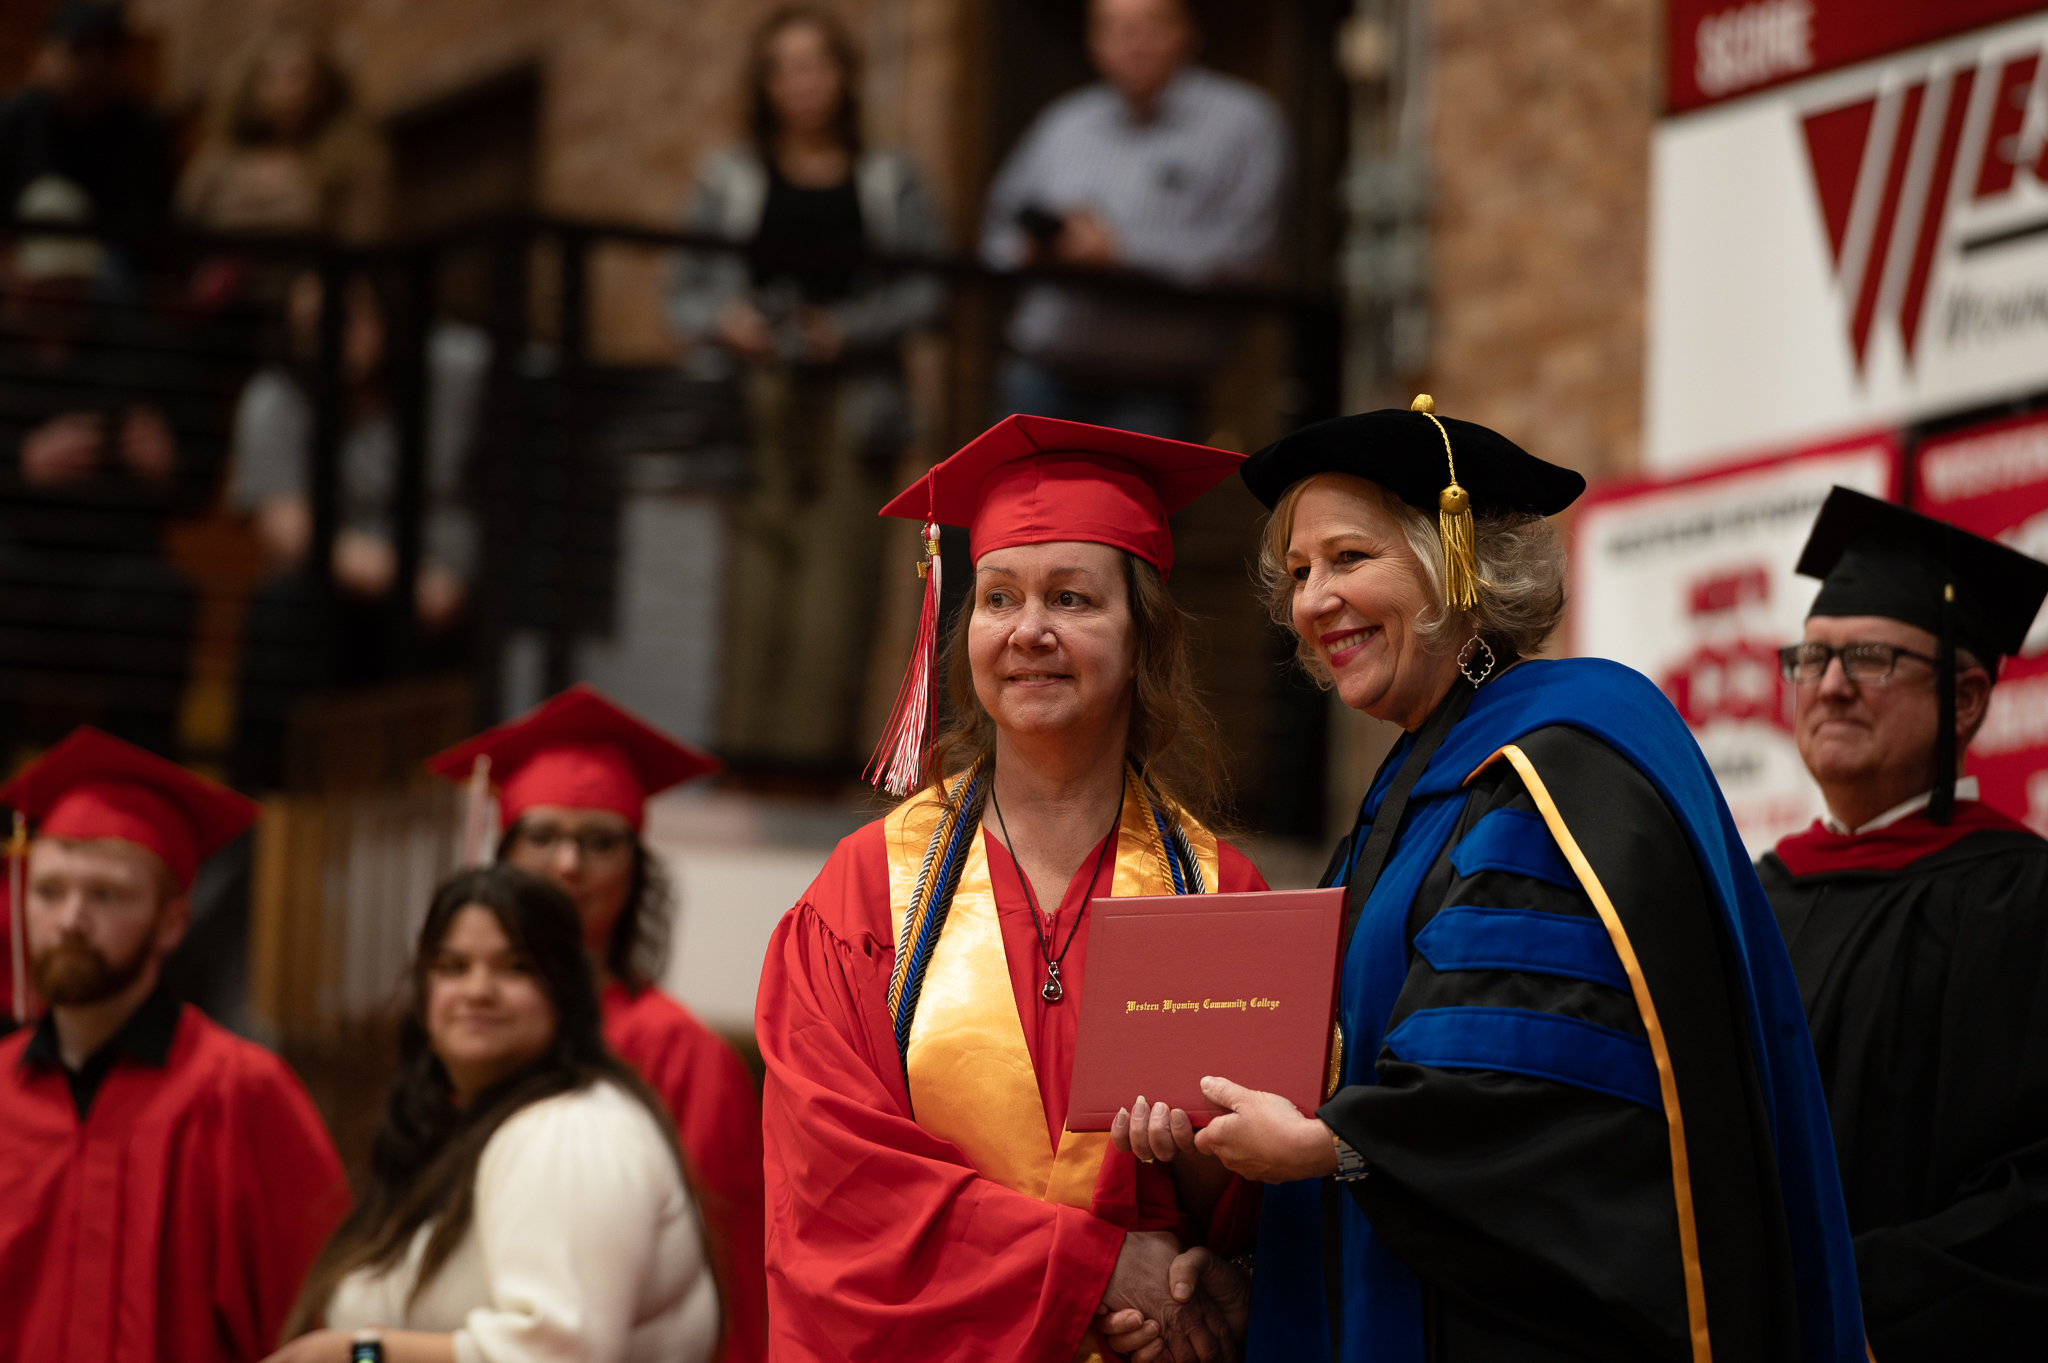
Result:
1467,937
1540,1045
1517,841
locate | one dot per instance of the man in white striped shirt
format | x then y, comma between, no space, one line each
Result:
1163,167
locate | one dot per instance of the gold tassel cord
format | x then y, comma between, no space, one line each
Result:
1454,524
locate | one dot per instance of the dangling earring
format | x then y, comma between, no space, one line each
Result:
1465,656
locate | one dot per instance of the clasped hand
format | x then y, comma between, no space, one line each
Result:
1163,1301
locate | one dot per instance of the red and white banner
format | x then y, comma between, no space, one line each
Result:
1864,247
1691,582
1715,49
1993,480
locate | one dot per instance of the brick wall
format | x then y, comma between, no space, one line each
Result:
1541,140
634,93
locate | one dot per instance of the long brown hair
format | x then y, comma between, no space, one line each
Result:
1173,741
424,1159
763,123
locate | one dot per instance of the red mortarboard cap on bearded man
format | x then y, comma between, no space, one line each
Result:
93,785
577,750
1036,480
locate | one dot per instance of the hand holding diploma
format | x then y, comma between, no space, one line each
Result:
1152,1131
1156,1133
1263,1136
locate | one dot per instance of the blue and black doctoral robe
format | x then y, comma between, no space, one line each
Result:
1523,1115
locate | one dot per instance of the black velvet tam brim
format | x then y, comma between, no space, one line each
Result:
1404,453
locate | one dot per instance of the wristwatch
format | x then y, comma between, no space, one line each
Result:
366,1347
1350,1164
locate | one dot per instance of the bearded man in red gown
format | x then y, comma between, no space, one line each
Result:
164,1185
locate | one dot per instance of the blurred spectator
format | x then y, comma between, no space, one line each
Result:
77,120
97,452
528,1199
820,339
286,654
1163,167
289,151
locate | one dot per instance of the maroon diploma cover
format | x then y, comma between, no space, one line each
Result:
1180,986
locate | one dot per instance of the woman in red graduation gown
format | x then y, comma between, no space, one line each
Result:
164,1184
573,779
917,1007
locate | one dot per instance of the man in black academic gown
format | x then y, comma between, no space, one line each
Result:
1917,919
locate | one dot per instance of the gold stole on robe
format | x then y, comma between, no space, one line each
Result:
967,1063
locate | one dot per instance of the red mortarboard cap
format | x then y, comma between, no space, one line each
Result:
93,785
580,751
1035,479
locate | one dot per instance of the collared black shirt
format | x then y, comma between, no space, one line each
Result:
146,1036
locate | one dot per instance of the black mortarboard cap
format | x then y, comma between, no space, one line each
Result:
1404,453
1874,558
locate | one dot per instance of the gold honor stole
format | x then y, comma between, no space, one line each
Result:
966,1062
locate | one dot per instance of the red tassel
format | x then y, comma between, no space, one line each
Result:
17,910
476,816
898,765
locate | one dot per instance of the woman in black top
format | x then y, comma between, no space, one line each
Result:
816,338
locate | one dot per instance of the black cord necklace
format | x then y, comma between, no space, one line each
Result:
1051,991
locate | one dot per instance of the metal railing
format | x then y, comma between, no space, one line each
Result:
357,835
543,475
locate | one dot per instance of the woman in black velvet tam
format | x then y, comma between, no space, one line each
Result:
1578,1116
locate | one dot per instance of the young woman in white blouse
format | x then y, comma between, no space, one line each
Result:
528,1201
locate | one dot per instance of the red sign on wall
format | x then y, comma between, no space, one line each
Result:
1719,49
1992,480
1691,582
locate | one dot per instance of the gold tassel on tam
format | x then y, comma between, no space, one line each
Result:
1454,523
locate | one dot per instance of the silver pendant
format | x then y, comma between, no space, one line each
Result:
1051,992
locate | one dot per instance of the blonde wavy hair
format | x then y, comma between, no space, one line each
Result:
1521,563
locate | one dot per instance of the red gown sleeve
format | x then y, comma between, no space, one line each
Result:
253,1195
882,1241
725,1143
281,1194
708,1091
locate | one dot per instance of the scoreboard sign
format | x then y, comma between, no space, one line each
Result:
1715,49
1849,220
